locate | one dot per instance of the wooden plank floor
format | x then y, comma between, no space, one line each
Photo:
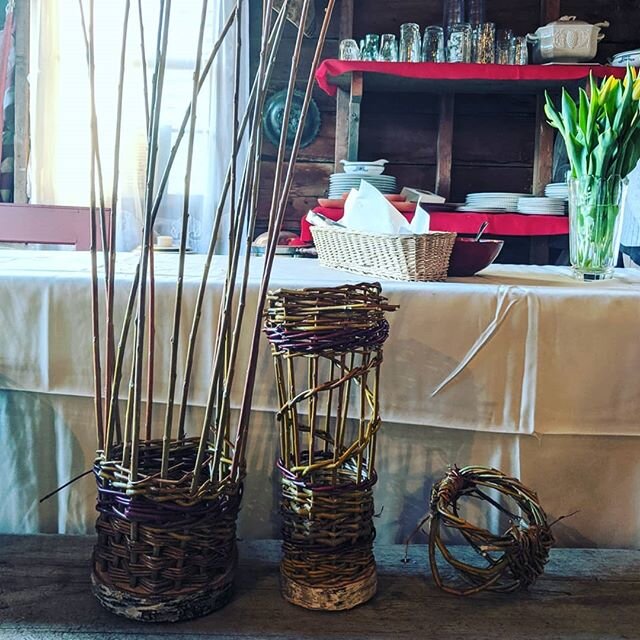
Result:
585,595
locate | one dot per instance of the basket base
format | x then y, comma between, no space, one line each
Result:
340,598
167,607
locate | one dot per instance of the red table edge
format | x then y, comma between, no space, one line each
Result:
500,224
461,71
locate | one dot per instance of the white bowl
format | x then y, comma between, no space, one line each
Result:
364,168
631,58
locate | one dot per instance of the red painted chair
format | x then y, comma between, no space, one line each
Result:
47,224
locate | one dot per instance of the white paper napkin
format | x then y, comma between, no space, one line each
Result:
366,209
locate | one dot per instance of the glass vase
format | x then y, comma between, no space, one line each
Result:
595,225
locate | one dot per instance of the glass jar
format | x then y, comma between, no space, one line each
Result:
484,41
476,12
371,47
388,48
459,43
433,45
519,53
410,43
503,46
452,13
349,50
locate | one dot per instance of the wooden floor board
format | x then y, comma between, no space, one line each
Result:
585,595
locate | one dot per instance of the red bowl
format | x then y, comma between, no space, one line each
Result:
468,256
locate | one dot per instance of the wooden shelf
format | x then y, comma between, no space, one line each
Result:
445,77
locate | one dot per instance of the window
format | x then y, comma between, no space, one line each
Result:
60,166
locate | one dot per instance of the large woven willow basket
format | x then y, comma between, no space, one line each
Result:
423,257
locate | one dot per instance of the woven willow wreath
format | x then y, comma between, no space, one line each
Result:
513,560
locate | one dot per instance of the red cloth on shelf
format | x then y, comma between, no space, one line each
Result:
460,71
500,224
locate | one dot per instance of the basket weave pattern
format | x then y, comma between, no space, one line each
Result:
327,529
160,545
326,347
421,257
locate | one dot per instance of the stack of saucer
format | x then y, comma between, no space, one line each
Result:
492,201
340,183
557,190
542,206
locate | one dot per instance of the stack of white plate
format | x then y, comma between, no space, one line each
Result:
492,201
340,183
557,190
542,206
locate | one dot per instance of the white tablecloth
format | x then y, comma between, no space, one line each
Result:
522,368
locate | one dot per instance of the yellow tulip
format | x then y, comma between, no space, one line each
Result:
607,86
636,89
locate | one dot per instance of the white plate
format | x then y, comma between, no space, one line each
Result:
541,213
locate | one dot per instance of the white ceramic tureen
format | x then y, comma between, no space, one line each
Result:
566,40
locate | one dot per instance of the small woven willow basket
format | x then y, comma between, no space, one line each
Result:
421,257
163,553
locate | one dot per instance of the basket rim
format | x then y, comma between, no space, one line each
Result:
382,235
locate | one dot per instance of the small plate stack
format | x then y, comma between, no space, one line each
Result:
497,202
542,206
557,190
340,183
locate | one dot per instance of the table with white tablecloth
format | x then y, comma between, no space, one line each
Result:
521,368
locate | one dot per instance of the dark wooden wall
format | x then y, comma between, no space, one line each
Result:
493,135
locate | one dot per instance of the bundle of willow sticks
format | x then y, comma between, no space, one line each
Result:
327,351
167,501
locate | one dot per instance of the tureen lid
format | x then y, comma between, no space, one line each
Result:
572,20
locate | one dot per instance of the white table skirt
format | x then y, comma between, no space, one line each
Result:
521,368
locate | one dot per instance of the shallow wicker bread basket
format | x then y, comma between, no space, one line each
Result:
421,257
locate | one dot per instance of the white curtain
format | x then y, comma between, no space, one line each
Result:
59,166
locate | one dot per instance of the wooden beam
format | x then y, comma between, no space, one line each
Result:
445,145
543,150
342,128
348,121
549,11
343,97
346,19
21,140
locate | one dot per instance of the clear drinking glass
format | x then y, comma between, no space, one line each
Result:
476,12
452,13
459,43
503,46
388,48
410,43
349,50
371,47
433,45
519,53
484,39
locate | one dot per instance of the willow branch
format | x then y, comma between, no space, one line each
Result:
276,224
143,55
158,82
259,88
110,301
177,308
95,308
